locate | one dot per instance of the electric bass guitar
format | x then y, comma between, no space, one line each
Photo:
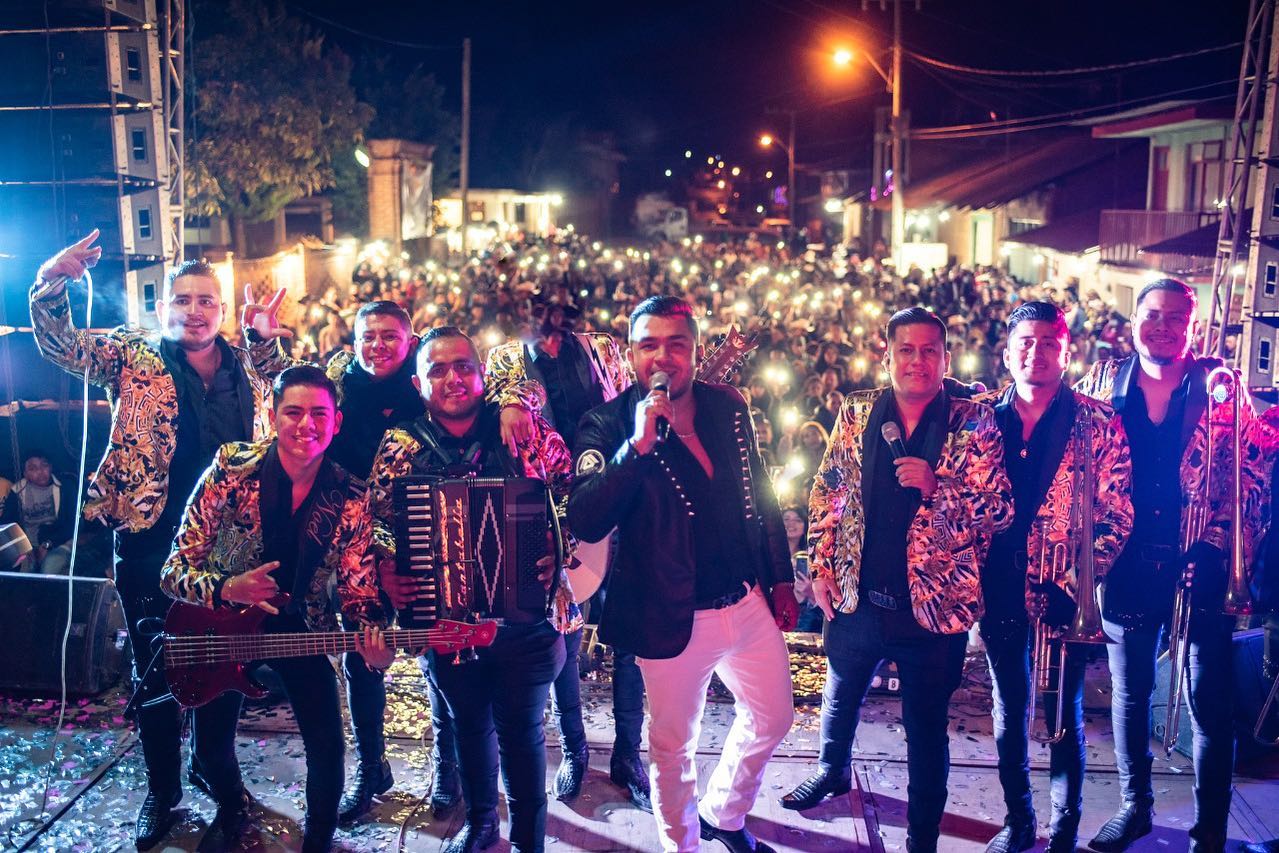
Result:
207,652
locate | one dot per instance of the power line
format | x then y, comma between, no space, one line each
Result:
965,131
372,36
1066,72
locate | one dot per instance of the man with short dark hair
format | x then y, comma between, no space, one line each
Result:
898,532
504,690
178,395
702,582
1162,397
1049,433
273,517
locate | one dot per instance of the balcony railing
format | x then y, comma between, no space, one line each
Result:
1125,232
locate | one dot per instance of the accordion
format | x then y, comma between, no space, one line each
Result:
472,544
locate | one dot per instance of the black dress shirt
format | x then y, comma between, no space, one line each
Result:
1003,578
1156,469
890,508
723,561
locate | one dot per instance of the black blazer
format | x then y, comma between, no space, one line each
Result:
649,606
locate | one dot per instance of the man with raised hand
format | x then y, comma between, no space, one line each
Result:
177,395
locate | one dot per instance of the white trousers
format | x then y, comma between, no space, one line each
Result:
743,646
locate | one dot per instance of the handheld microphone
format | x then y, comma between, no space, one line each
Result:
661,381
892,434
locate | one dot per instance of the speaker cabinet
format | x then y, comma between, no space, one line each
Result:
33,616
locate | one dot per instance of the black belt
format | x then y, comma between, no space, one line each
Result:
887,601
726,600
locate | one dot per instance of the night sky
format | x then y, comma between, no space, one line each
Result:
663,77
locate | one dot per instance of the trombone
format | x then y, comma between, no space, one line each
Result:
1225,387
1049,651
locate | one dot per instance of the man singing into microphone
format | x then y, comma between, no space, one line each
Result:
898,532
702,580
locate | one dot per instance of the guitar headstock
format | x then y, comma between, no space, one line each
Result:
448,636
727,356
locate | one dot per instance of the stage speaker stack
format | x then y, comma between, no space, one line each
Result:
1249,693
33,618
87,145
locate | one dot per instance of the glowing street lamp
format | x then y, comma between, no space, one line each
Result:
767,140
842,57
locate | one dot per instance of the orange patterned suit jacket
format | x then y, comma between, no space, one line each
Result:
949,535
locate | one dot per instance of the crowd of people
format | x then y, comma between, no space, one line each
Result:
817,316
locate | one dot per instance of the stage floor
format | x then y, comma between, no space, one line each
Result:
96,782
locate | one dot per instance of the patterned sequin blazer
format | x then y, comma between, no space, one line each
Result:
544,457
1112,495
130,487
508,370
1112,382
221,536
950,534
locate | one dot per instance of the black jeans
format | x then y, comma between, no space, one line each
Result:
497,704
312,688
1008,653
930,667
138,560
628,701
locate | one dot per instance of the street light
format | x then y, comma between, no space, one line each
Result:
843,56
768,140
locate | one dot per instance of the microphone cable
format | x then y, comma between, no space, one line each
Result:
71,567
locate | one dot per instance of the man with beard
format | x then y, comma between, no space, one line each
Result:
702,583
505,688
279,516
579,372
376,392
177,395
1161,395
1044,425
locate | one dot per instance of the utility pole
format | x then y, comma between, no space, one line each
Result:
896,129
465,169
792,200
898,230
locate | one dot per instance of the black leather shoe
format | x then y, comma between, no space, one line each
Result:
474,836
1018,834
736,840
814,789
317,838
155,819
628,772
1062,842
572,772
446,790
1129,823
227,827
369,783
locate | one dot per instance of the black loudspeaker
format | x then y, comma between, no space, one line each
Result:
1250,692
81,68
33,617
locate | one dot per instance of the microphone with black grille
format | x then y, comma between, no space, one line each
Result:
661,382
